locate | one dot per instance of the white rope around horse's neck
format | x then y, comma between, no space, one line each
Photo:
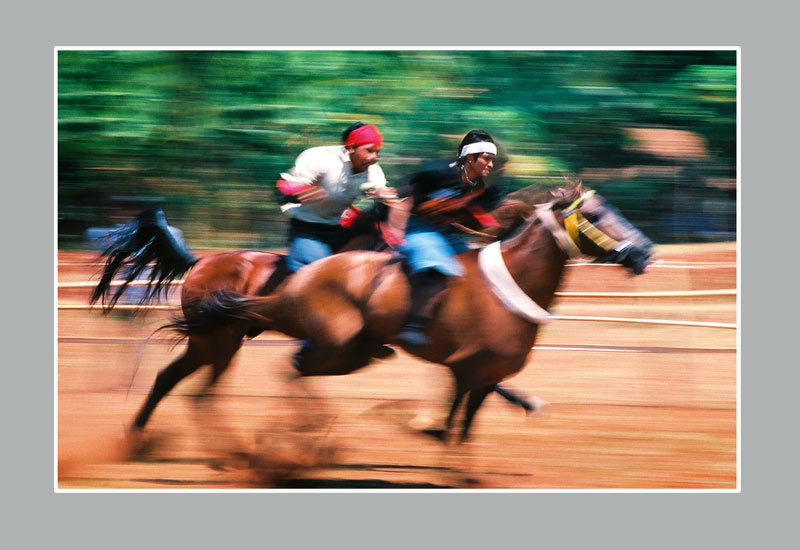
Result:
502,283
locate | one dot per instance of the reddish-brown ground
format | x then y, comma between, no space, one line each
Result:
656,411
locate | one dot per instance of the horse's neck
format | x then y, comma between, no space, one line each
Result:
535,261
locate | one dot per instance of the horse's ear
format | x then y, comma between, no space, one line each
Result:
575,185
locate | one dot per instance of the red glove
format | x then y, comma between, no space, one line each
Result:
389,236
349,217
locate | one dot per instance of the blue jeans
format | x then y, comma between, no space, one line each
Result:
309,242
428,247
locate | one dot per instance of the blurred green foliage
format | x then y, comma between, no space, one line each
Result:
208,132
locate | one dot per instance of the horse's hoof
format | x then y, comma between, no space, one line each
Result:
420,422
139,445
534,405
217,465
437,434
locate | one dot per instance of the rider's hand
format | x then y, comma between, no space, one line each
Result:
313,194
391,236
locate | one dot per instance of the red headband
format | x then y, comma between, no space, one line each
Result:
364,135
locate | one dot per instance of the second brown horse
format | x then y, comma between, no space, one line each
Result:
146,247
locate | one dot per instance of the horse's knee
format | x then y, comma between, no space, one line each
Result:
315,361
311,361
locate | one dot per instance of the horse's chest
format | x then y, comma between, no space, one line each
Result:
481,318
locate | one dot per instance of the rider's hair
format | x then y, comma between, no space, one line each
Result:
473,136
350,129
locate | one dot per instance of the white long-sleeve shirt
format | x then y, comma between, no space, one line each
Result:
329,167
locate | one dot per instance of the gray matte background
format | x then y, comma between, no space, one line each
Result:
38,517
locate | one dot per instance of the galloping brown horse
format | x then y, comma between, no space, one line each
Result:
485,323
147,243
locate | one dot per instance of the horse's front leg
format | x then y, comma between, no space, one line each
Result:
461,391
476,397
531,404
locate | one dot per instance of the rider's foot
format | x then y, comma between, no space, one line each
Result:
413,334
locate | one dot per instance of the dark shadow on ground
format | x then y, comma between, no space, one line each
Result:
356,484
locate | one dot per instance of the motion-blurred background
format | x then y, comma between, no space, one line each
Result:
205,134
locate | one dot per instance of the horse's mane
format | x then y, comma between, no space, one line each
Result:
518,206
531,195
555,192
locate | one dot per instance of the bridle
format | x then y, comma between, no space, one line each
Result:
575,225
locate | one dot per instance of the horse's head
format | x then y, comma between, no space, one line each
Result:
592,227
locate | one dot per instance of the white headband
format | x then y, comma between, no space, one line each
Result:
478,147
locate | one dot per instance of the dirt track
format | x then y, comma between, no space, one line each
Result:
631,409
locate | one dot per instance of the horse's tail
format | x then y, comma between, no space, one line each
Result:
222,309
144,241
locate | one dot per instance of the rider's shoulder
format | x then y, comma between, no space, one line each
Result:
322,152
375,171
438,171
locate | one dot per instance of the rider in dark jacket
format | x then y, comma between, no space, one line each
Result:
443,199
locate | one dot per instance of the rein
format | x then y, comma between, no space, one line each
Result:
468,231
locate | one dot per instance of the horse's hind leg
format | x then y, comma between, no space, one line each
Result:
221,347
210,422
176,371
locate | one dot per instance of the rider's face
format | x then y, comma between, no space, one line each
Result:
363,156
480,165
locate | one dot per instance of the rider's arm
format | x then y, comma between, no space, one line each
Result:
485,203
302,182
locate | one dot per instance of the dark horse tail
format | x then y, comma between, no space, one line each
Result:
144,241
221,309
